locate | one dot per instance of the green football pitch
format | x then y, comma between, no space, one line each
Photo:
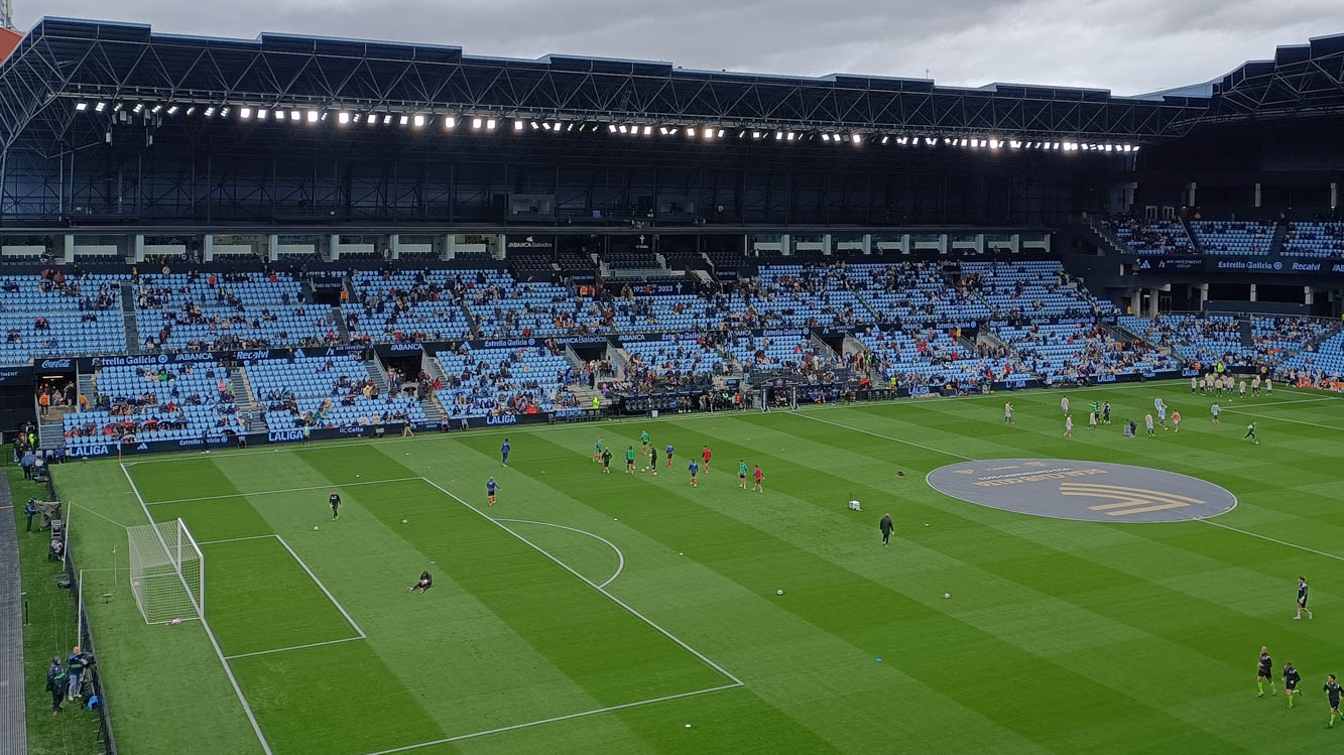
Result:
635,613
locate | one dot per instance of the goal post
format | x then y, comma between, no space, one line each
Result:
167,572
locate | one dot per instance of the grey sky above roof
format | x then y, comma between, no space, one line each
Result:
1127,46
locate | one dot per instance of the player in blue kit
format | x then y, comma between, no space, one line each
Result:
490,487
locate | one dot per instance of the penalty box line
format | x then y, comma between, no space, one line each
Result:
359,631
556,719
628,608
328,486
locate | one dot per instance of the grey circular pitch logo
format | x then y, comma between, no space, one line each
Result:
1090,491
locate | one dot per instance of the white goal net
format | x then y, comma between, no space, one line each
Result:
167,572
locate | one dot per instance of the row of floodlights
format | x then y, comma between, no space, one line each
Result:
489,123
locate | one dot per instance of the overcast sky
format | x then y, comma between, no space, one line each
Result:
1127,46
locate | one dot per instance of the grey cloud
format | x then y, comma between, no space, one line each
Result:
1128,46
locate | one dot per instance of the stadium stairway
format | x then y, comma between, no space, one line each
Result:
434,413
1276,241
339,322
378,374
1123,333
128,316
87,387
1246,332
991,339
1195,243
248,408
1103,235
584,395
51,429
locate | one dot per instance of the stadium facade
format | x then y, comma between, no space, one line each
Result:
312,159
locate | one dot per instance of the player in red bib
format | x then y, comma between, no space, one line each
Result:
705,456
759,477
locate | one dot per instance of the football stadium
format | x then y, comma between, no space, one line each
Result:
371,397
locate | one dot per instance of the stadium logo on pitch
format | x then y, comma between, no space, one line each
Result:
1084,490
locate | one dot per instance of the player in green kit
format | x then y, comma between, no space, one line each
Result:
629,459
644,440
742,475
597,451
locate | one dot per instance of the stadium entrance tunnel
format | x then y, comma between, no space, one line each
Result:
1089,491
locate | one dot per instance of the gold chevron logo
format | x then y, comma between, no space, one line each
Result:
1126,501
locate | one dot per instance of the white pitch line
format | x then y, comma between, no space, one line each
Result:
235,539
620,557
1267,538
293,647
1272,418
210,635
328,486
712,664
107,519
354,624
554,719
892,438
1268,404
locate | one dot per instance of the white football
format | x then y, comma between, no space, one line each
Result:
947,595
779,592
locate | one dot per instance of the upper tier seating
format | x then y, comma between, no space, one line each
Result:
1241,238
56,315
505,308
1030,291
409,305
1307,239
214,312
1155,237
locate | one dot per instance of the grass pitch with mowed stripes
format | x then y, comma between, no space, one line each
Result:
616,613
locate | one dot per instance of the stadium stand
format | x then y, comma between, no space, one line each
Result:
409,305
778,351
1204,338
187,401
1080,350
325,392
1029,291
674,360
1233,237
1324,361
1306,239
217,312
1149,238
504,308
497,381
54,314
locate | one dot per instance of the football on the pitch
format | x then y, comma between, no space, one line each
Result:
779,592
947,595
314,526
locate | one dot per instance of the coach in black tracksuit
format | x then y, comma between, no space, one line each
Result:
886,526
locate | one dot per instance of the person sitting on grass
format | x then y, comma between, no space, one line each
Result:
423,584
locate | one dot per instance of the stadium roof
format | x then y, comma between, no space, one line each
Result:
63,67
